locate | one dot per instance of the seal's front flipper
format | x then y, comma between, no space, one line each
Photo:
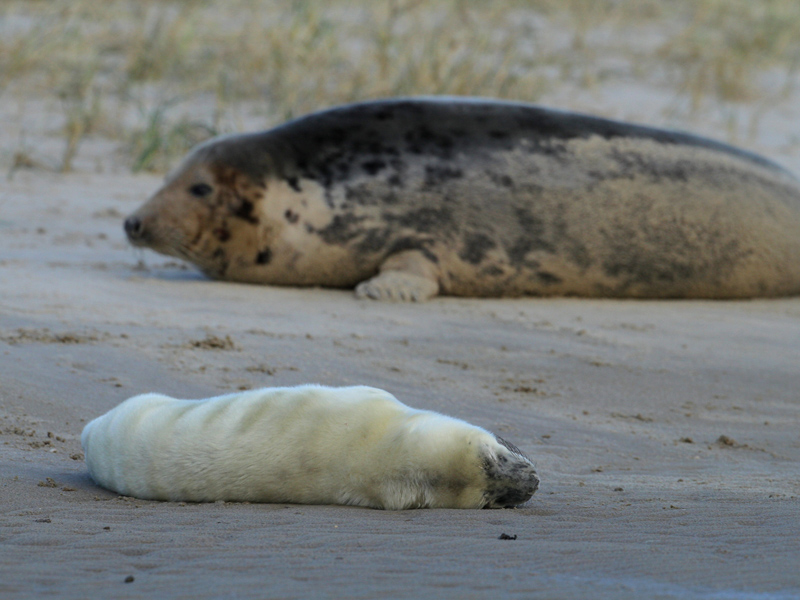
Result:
398,286
408,276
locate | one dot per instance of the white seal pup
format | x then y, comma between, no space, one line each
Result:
408,198
307,445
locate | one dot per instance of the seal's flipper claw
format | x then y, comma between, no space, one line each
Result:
397,286
408,276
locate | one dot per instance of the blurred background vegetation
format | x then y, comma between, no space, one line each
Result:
158,76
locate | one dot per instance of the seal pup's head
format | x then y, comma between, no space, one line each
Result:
209,209
463,466
510,475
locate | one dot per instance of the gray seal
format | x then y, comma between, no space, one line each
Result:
404,199
309,444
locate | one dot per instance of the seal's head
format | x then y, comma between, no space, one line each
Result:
511,476
208,211
467,466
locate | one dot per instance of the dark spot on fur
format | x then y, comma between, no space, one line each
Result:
376,148
425,134
342,170
570,245
429,255
548,278
532,239
373,167
404,244
399,168
342,229
413,145
498,135
201,190
436,175
636,268
222,234
264,257
425,220
245,211
501,179
374,240
361,194
291,216
424,140
476,245
294,183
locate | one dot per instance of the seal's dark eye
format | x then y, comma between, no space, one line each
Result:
200,190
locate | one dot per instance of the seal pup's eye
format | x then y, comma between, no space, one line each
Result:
200,190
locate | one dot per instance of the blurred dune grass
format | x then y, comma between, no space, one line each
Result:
158,76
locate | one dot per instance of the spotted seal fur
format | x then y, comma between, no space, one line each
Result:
408,198
308,445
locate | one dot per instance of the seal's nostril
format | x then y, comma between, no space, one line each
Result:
133,227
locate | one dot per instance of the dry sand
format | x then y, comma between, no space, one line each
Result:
666,433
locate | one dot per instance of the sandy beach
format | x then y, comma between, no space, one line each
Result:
665,432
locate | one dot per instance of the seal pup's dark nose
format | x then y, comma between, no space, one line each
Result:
133,227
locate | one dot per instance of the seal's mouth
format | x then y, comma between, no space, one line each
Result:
169,242
173,242
513,497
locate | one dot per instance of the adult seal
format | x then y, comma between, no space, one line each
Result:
308,445
408,198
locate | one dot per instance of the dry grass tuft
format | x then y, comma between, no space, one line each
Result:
726,44
160,75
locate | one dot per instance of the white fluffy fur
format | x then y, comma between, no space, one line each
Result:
309,445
